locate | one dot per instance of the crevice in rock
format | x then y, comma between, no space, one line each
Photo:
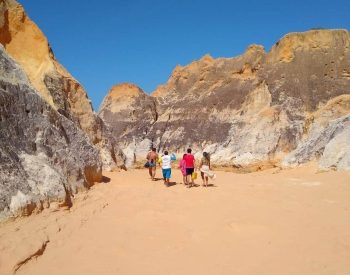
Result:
68,197
64,133
163,132
155,112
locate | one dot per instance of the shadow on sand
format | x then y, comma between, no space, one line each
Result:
193,185
211,185
172,183
200,185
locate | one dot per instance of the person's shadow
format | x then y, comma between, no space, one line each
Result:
211,185
171,183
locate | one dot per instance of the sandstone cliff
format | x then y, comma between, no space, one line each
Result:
129,113
44,156
253,111
26,43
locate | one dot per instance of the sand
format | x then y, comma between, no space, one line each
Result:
272,222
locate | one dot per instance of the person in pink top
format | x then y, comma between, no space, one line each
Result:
182,166
189,162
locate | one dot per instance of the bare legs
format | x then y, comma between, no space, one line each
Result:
189,181
205,180
166,182
152,172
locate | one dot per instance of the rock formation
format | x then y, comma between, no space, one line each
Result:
328,137
44,156
26,43
253,111
127,108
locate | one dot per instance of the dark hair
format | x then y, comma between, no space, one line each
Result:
189,150
206,155
184,156
166,153
154,149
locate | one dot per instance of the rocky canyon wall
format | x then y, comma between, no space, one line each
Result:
52,143
258,110
44,156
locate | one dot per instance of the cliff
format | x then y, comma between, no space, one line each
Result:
44,157
26,43
250,112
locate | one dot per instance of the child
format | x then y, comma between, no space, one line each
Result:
182,166
166,167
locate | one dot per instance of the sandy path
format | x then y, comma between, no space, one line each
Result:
291,222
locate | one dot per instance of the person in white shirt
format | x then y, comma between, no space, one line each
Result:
166,167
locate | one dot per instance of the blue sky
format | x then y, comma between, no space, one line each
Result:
103,43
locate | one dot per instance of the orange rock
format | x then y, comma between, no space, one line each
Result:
27,44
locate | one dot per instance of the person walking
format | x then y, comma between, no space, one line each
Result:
204,167
182,166
152,158
189,162
165,161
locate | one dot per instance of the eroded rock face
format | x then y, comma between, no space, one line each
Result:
249,112
327,138
124,109
44,156
26,43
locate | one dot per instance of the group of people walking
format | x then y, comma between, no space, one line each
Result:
187,166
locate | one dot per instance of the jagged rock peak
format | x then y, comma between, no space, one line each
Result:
27,44
121,95
284,50
202,70
207,58
255,49
317,38
125,89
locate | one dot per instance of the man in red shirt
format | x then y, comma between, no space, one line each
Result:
190,162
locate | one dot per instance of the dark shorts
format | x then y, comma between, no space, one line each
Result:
189,171
151,164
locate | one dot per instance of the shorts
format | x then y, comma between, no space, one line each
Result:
151,164
166,173
189,171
